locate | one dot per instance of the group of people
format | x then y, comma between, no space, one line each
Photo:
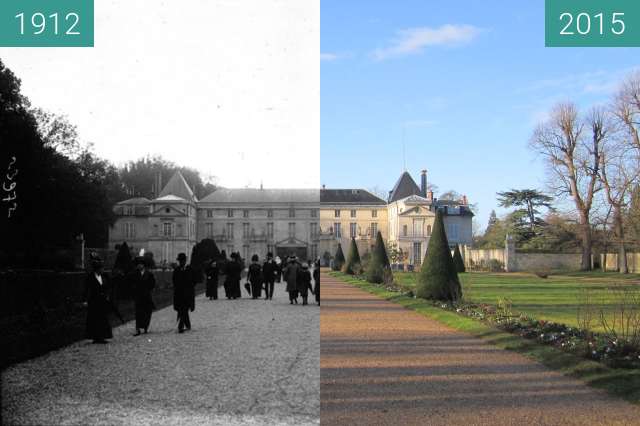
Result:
260,277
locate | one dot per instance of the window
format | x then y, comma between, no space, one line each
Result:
130,230
209,229
269,248
229,230
314,212
292,230
229,212
269,213
314,251
353,227
336,213
245,252
245,213
452,231
337,230
314,230
417,254
167,229
155,230
292,213
353,213
374,213
270,230
245,230
418,226
374,229
404,230
179,233
167,210
209,212
428,230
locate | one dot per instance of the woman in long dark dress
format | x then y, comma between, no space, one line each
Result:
143,282
98,304
303,282
212,280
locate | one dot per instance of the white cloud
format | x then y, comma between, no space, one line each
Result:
414,40
329,56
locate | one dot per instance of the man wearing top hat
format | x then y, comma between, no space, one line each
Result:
142,282
184,297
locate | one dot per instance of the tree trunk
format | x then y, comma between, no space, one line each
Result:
585,235
623,268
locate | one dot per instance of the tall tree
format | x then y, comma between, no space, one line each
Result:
571,147
530,200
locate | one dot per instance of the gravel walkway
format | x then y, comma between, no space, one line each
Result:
244,362
383,364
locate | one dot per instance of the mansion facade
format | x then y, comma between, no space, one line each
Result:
305,222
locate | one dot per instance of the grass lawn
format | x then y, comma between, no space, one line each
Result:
555,298
624,383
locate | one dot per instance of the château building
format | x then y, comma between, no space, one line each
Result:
307,222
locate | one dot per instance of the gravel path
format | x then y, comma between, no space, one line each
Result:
244,362
383,364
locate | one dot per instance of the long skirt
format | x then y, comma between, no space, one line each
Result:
144,308
98,327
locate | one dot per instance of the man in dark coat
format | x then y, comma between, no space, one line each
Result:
269,272
212,279
142,283
98,303
290,275
254,276
234,273
303,282
184,298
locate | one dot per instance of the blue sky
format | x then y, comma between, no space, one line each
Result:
467,81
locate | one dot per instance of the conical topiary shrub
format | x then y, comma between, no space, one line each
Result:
438,278
457,260
352,266
124,262
338,259
379,262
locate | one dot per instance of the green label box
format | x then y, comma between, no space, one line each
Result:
592,23
46,23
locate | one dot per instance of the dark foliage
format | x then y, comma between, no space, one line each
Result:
353,263
458,262
438,278
338,259
379,262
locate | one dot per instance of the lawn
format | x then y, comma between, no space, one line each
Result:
555,298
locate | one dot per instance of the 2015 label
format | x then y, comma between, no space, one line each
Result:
582,23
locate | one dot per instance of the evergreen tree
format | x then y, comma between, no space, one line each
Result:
458,262
352,266
338,259
123,262
438,278
203,251
379,262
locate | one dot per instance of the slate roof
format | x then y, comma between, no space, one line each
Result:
179,187
170,198
266,196
405,186
137,201
349,196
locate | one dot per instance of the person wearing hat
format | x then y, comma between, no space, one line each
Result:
254,276
303,282
184,282
232,280
269,273
98,303
211,272
142,283
290,275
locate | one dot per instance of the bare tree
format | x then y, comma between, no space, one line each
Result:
571,147
618,170
626,107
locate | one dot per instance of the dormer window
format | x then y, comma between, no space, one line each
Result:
167,210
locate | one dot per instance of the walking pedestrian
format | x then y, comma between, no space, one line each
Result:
184,282
303,282
211,272
232,280
142,283
254,276
269,273
98,304
290,275
316,279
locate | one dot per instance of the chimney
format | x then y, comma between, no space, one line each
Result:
423,184
430,195
323,186
464,200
